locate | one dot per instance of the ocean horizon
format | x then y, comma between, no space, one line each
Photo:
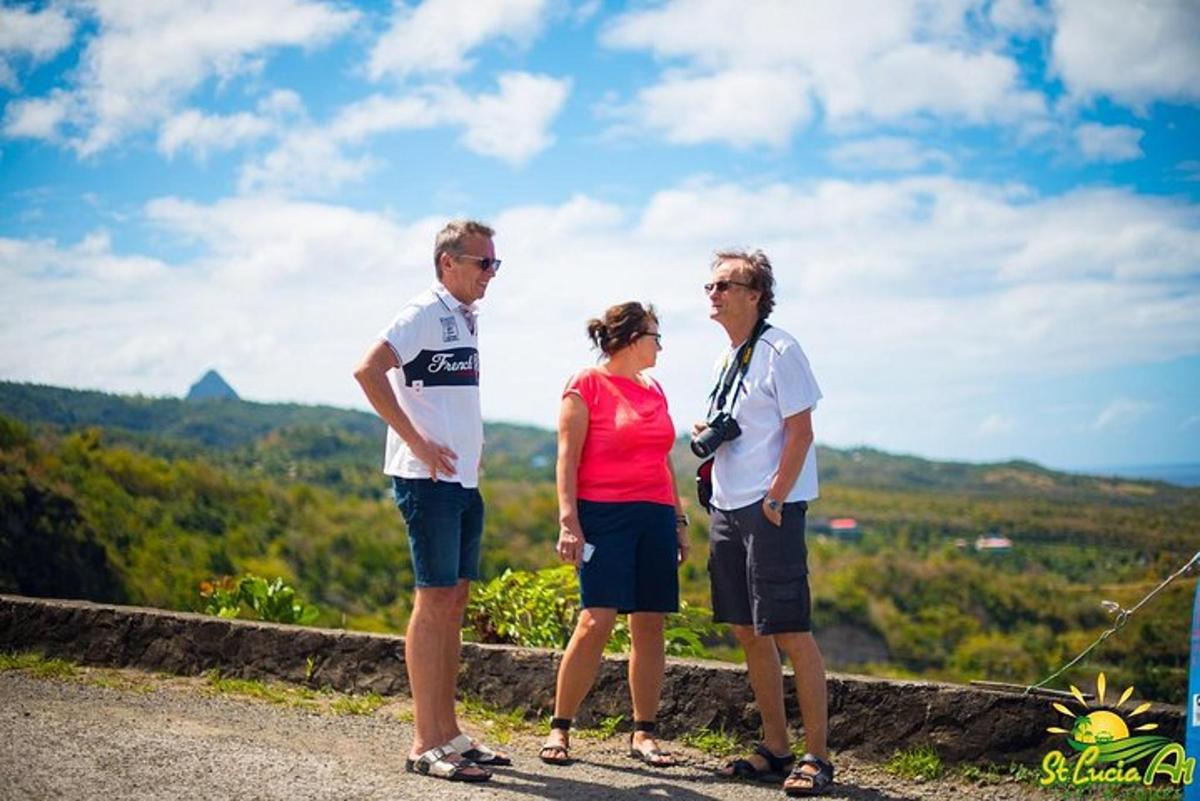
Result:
1181,474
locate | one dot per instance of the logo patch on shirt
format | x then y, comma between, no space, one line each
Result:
458,367
449,329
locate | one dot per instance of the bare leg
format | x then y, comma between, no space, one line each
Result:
766,679
580,663
647,661
811,691
451,658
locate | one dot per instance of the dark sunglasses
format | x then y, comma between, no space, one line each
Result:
484,262
657,337
723,286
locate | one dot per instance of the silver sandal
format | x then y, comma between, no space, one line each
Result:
434,763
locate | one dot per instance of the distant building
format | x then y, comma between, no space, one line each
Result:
211,386
844,528
993,543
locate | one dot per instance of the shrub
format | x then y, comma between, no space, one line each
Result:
255,597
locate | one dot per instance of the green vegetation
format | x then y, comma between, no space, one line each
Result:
500,724
271,692
137,500
921,762
717,743
356,704
36,664
605,727
255,597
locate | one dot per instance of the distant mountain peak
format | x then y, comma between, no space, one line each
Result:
211,386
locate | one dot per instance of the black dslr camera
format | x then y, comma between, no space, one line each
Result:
721,428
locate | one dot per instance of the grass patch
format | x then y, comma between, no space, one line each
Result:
605,728
500,724
992,773
714,743
921,762
356,704
253,688
38,665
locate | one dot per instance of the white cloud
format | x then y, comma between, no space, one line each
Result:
201,133
511,125
1120,412
145,58
889,154
861,61
436,36
1109,143
38,117
36,36
1135,53
903,284
1022,17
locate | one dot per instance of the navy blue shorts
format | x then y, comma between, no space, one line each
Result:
635,564
445,529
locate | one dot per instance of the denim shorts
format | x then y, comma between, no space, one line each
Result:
759,571
635,564
445,529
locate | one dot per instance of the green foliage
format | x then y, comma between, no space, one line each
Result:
501,724
356,704
605,727
38,665
273,693
530,609
921,762
718,743
254,596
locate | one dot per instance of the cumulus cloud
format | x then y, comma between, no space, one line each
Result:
436,36
201,133
758,65
888,154
892,284
1109,143
511,124
145,58
1134,53
30,36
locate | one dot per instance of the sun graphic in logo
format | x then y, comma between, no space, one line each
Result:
1105,727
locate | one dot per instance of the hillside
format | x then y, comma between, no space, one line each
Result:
139,500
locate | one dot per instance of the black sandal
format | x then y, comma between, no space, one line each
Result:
817,782
650,756
776,770
549,751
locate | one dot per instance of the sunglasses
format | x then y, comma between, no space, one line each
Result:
657,337
485,263
723,286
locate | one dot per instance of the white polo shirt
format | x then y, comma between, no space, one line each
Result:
778,384
437,384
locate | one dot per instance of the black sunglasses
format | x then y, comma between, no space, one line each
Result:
657,337
485,263
723,286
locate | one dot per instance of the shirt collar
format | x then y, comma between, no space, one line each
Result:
448,300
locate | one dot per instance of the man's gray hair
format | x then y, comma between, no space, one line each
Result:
757,273
450,239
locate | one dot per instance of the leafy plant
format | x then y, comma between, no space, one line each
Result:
606,727
717,743
356,704
921,762
36,664
530,609
273,601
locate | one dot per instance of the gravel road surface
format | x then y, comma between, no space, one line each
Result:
107,734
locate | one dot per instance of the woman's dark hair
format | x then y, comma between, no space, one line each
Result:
620,326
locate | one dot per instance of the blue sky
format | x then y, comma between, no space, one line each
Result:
984,214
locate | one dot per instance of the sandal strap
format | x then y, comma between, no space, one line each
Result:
434,763
563,724
647,726
775,764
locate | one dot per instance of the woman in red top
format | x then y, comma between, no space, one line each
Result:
621,522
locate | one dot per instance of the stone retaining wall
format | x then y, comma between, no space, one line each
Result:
872,717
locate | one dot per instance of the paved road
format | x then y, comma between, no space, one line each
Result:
155,738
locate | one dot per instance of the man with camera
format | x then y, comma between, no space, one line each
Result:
763,473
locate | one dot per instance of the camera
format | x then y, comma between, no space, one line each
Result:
721,428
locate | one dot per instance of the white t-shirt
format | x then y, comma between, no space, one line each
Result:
437,384
778,384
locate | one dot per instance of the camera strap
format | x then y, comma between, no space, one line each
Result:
735,369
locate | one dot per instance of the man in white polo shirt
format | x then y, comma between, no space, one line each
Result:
422,377
764,473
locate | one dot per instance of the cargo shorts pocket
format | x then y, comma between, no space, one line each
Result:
781,583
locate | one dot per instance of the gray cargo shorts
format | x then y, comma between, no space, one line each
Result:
759,571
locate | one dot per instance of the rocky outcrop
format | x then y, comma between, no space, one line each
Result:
873,717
